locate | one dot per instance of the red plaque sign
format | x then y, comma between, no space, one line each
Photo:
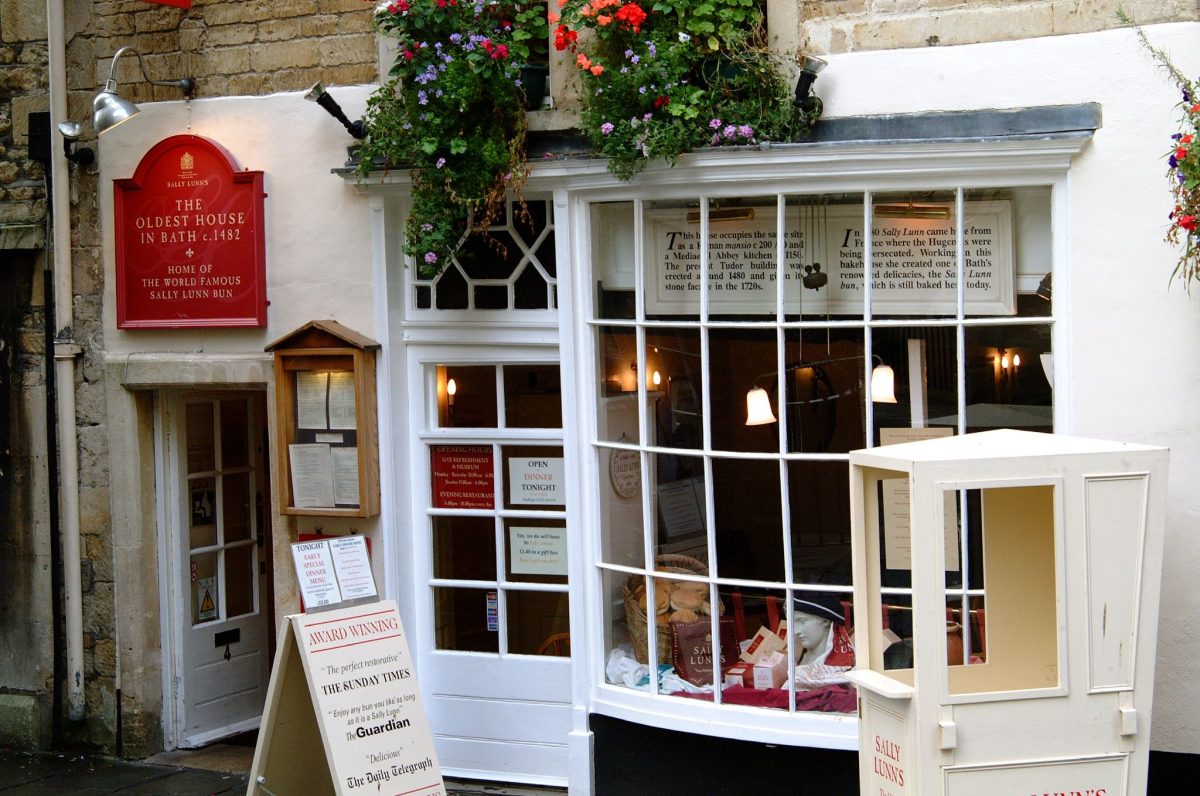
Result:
462,477
189,237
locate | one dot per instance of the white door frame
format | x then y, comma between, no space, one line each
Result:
173,606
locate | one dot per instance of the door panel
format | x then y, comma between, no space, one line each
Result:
494,660
215,454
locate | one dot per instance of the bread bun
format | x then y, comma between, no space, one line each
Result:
690,596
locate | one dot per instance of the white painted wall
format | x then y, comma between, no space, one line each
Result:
317,227
1132,340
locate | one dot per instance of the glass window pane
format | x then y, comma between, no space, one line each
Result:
618,362
680,505
924,380
621,528
1007,381
824,389
742,256
824,255
235,437
914,257
613,259
206,596
236,507
202,518
466,619
201,451
819,498
532,396
538,623
239,580
467,396
749,523
741,360
676,403
672,251
534,477
1007,235
462,477
536,550
464,548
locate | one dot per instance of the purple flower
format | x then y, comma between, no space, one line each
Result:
714,123
730,131
641,89
606,128
1172,162
440,162
455,38
427,227
422,98
653,50
431,257
647,117
746,131
634,59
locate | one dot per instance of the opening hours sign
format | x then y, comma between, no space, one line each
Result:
190,243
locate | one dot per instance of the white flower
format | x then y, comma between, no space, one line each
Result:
683,37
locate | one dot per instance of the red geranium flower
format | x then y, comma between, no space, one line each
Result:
632,16
662,102
1187,222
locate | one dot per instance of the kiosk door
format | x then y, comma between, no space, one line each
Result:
494,654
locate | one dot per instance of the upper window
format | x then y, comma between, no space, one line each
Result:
743,347
510,267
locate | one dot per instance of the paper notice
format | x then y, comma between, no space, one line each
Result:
312,476
345,476
352,566
341,400
315,573
310,400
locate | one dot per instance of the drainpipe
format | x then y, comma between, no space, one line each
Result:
65,351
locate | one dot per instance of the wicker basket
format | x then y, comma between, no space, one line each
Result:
635,615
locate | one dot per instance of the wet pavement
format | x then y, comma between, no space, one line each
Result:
179,773
58,774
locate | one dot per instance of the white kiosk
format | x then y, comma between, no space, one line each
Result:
1023,661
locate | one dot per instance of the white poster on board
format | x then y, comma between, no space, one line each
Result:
536,481
914,262
366,701
538,551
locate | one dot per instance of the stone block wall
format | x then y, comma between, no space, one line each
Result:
25,620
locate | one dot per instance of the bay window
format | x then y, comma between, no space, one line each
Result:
741,347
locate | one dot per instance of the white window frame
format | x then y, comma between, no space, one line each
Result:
717,174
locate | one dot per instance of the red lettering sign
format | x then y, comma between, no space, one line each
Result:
189,240
462,477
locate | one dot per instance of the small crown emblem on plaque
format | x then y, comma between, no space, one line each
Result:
186,161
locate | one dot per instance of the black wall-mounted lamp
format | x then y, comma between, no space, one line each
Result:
80,156
810,67
319,95
109,109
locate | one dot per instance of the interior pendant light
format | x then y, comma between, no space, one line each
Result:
883,384
758,408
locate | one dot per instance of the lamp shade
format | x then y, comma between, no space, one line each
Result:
883,384
109,109
758,408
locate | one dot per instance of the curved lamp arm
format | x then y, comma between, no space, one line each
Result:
184,84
